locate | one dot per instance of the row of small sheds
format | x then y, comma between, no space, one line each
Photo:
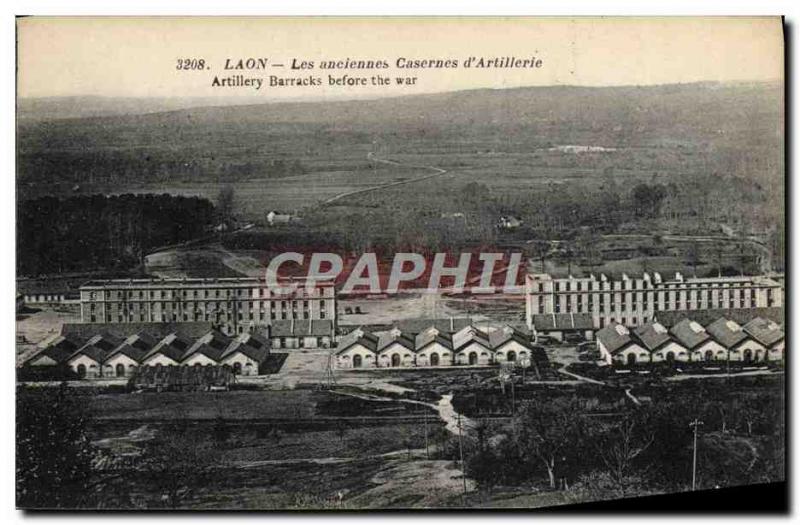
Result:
436,346
107,355
759,340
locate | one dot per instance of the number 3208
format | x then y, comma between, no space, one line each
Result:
185,64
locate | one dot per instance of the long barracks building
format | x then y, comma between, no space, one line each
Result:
635,302
233,305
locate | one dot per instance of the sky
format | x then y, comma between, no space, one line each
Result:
137,57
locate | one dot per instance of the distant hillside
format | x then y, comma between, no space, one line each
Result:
52,108
203,142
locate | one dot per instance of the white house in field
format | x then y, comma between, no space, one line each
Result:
662,347
396,349
616,346
246,354
769,334
698,342
434,348
358,349
740,345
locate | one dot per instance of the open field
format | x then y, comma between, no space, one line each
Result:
254,198
506,139
513,152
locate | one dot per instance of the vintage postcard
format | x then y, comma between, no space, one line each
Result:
398,263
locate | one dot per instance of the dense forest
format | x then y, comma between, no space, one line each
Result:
85,233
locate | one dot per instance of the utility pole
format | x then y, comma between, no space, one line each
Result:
427,450
330,379
694,424
513,396
461,455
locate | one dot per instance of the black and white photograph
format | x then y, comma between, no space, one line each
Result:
399,263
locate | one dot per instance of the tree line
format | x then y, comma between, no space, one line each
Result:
83,233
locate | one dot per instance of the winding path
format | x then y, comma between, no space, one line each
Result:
444,408
437,172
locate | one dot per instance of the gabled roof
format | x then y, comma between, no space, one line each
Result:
503,335
92,350
106,341
156,331
432,335
652,335
366,339
300,328
98,347
133,352
689,333
66,343
203,349
57,354
614,337
172,346
404,340
253,345
705,317
726,332
469,335
142,340
764,331
134,346
563,322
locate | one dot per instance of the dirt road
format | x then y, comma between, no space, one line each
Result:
437,172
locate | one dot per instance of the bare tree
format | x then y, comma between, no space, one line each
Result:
548,431
619,445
